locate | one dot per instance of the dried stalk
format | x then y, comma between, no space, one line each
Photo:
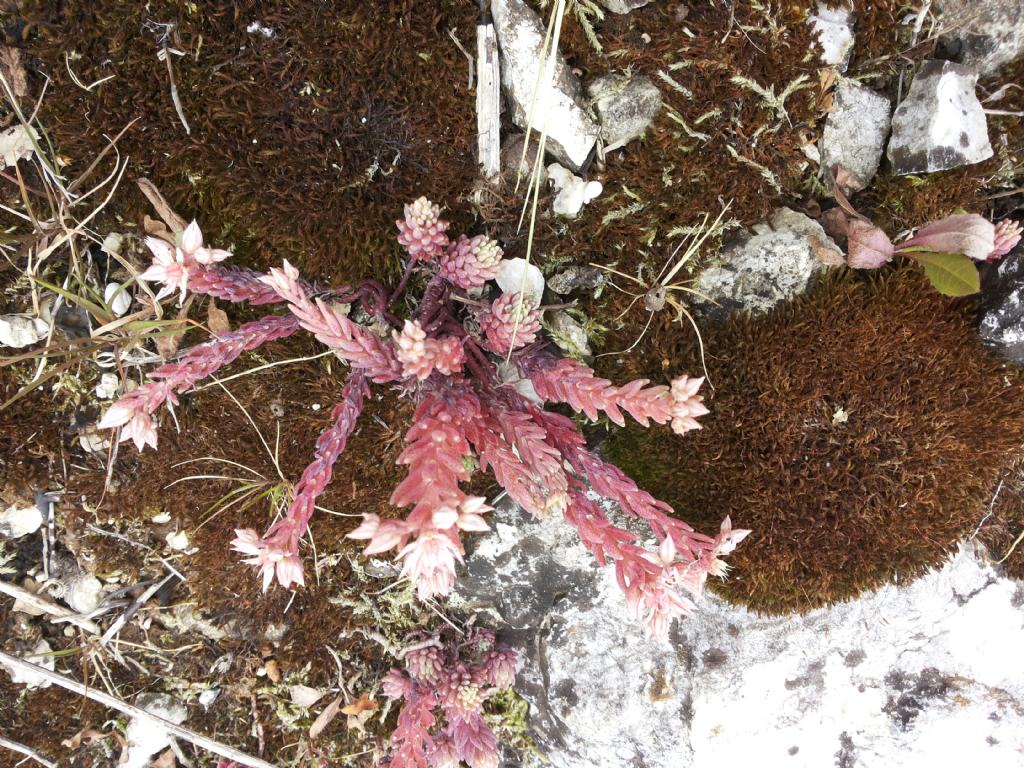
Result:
58,612
196,739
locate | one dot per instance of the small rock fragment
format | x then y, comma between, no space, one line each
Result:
107,387
517,276
626,106
576,278
556,107
1002,314
41,657
940,124
987,33
855,133
177,540
146,738
573,192
16,144
833,26
16,521
18,331
84,593
113,244
622,6
569,335
512,158
773,263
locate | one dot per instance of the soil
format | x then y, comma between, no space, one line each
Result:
310,125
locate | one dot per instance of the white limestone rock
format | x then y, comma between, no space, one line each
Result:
759,269
146,738
625,106
924,674
41,656
557,107
855,132
519,276
622,6
833,26
940,124
17,521
572,191
18,331
986,33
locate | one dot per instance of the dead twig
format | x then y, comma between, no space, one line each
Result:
27,751
59,613
165,54
196,739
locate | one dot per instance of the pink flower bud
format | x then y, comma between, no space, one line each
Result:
423,233
1007,235
512,322
469,263
687,405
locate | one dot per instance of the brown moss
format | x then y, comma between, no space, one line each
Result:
836,507
304,144
1004,523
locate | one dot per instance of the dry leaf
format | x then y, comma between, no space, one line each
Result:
359,711
217,319
324,718
157,228
86,735
168,343
166,760
13,71
163,208
273,670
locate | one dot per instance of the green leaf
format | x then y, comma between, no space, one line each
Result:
952,274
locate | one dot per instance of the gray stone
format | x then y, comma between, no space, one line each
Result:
145,737
940,124
557,107
569,335
625,106
927,673
986,33
622,6
1002,317
855,132
833,26
757,270
576,278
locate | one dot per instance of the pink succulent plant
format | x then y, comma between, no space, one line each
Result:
1007,235
466,416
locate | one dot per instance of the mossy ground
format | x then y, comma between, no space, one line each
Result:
860,432
305,144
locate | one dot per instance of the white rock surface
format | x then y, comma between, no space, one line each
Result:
16,144
625,106
18,331
622,6
855,132
573,192
84,593
17,521
146,738
926,674
940,124
518,276
39,656
556,105
833,26
775,262
989,33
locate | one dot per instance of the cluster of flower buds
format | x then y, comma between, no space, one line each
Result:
172,265
423,233
420,356
471,262
456,680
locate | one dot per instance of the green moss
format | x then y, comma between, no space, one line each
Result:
837,506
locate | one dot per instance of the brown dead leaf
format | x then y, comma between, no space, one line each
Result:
86,735
163,208
359,711
13,71
166,760
217,319
324,718
273,670
167,343
157,228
